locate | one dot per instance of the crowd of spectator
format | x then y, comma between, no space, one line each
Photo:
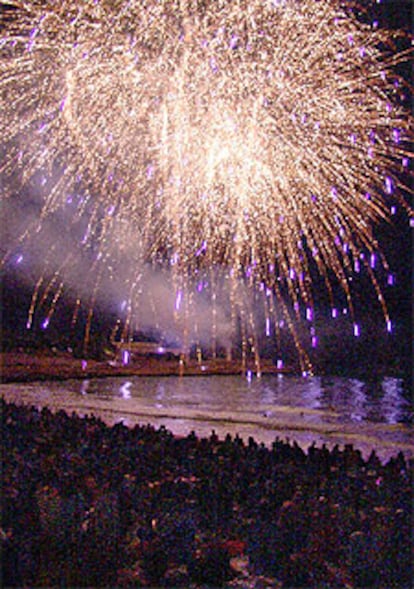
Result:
88,505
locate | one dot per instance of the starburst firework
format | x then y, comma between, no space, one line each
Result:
251,139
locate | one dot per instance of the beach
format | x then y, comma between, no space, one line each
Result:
91,501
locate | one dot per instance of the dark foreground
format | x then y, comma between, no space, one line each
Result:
87,505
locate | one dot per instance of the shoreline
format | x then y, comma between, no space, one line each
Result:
27,367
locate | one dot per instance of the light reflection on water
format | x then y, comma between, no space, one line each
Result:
328,410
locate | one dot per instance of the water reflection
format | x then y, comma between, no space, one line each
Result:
312,393
85,386
370,401
124,389
350,400
393,401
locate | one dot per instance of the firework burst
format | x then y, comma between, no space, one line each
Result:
243,142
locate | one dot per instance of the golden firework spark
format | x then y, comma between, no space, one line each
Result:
252,138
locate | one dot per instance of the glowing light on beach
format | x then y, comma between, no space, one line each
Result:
236,137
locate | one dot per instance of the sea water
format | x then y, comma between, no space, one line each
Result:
322,410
